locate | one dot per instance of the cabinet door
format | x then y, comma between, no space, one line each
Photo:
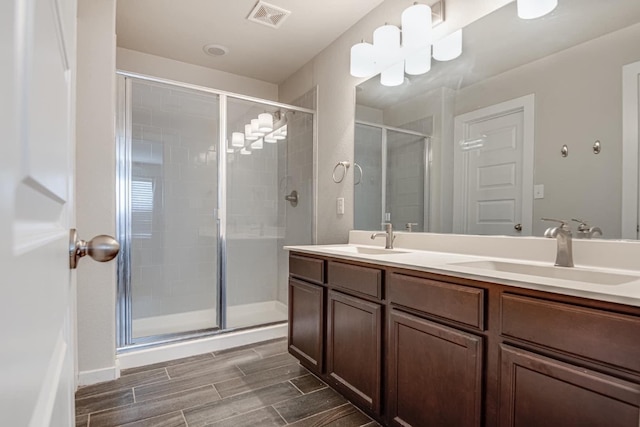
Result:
306,311
354,348
540,391
435,374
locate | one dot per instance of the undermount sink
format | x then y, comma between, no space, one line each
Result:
563,273
366,250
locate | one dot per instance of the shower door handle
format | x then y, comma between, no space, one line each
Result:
101,248
292,198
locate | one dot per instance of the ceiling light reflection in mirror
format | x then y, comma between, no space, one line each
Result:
396,51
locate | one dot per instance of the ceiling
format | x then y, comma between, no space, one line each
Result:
179,29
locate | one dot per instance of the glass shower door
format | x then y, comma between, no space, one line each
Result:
370,176
170,156
263,166
405,180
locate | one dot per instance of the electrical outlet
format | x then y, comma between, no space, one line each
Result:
340,205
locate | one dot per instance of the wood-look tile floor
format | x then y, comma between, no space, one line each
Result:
258,385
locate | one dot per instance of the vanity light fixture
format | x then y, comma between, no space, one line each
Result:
363,62
531,9
237,139
265,122
271,139
277,135
449,47
416,32
255,128
386,42
393,55
248,134
245,152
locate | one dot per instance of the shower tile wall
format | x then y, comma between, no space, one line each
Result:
174,182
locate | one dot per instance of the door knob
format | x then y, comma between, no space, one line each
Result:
101,248
518,227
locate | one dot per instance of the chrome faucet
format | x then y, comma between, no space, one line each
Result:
564,254
586,232
388,227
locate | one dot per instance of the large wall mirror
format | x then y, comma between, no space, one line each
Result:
526,123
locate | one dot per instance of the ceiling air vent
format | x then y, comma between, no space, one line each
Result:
268,14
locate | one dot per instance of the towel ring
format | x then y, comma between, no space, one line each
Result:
345,165
360,169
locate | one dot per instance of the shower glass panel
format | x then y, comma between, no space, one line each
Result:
172,200
202,214
391,178
261,170
405,178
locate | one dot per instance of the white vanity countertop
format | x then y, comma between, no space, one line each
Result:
447,263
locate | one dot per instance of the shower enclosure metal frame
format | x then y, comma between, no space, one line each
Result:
427,162
124,339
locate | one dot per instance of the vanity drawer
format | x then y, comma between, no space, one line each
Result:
463,304
594,334
365,280
310,269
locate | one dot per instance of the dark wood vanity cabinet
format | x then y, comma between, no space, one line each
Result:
354,348
420,349
306,324
434,374
307,311
567,386
354,333
542,391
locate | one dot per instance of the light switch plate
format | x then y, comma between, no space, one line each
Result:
340,205
538,191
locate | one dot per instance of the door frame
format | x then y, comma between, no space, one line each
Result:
526,104
630,185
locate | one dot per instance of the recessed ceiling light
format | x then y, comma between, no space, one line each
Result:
215,50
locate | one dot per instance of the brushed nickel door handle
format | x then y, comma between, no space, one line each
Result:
101,248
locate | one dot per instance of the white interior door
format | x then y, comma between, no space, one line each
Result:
493,170
37,312
630,157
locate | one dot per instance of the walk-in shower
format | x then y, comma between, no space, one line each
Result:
202,215
391,182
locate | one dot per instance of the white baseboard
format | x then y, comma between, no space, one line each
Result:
178,350
98,375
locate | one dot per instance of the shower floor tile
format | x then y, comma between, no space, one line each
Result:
256,385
